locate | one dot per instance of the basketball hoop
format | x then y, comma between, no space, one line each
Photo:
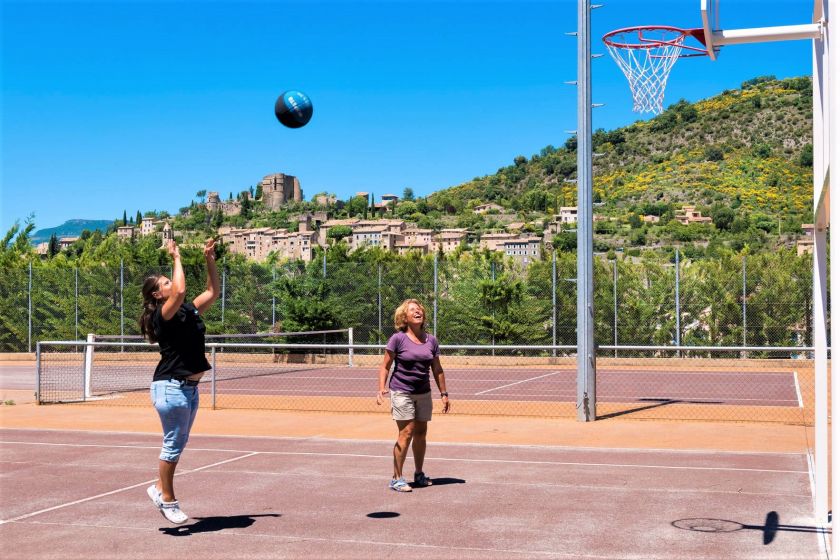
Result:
646,55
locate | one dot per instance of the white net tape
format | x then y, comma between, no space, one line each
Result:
647,62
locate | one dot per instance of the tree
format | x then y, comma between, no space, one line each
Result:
722,217
408,193
339,232
53,247
200,195
125,218
139,218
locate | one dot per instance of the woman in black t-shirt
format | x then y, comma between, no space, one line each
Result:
179,331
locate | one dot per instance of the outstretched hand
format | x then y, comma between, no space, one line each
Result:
210,249
172,247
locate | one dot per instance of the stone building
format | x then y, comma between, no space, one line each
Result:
278,189
228,208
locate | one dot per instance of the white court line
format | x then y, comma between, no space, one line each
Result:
518,382
306,538
798,392
446,459
435,444
822,536
118,490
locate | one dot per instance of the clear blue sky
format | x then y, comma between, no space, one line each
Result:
113,106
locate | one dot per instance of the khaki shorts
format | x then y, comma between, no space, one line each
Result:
405,406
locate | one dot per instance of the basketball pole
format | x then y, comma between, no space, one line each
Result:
820,278
585,402
834,258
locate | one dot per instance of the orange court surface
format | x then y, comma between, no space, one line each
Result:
274,484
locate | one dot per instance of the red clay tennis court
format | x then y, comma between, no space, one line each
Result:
81,494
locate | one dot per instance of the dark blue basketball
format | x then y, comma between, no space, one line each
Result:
293,109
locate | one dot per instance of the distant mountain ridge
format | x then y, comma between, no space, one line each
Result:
70,228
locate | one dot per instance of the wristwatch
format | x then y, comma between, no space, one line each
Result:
444,394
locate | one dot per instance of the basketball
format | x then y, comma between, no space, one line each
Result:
293,109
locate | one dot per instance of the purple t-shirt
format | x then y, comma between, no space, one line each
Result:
412,363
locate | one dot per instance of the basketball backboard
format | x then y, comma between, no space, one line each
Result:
711,23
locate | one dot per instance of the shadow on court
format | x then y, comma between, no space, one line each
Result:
769,530
217,523
657,403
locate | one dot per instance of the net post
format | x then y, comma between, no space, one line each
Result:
37,373
350,350
91,338
213,376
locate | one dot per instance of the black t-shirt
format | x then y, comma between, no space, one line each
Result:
181,341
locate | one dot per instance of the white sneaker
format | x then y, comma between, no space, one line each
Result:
172,512
154,495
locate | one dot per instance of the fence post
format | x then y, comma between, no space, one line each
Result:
122,307
273,296
615,307
435,308
677,295
744,297
224,284
379,304
29,296
554,302
76,300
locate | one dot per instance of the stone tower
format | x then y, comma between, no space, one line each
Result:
213,202
279,188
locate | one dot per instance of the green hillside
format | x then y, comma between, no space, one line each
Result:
747,150
71,228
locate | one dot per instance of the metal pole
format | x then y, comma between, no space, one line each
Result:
554,302
213,376
273,296
224,286
379,303
615,306
744,297
677,292
38,373
76,274
435,308
585,287
493,306
820,282
834,256
29,330
122,308
324,260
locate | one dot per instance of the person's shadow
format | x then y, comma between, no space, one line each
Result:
210,524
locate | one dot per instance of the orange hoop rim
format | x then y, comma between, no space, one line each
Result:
652,43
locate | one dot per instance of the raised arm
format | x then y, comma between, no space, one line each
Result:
179,285
205,299
387,360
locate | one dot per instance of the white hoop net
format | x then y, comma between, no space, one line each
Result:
646,57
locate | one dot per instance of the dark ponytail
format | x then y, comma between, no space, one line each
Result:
150,303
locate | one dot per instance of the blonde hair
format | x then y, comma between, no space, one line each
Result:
400,321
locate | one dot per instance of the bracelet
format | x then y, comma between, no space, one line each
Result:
444,394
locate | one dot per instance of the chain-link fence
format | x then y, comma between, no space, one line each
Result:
749,301
756,303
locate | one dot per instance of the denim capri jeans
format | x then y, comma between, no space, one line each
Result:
176,404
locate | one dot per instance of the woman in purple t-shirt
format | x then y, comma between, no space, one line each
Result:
413,352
